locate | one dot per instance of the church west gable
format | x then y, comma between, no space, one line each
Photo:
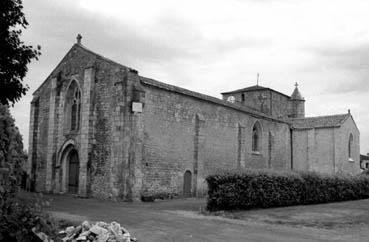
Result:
47,115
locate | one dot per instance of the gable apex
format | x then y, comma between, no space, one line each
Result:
52,73
80,47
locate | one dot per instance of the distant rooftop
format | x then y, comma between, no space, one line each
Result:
254,88
320,122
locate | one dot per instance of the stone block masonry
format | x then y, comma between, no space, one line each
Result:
185,133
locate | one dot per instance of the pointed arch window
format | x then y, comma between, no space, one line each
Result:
350,146
256,137
76,110
72,108
270,149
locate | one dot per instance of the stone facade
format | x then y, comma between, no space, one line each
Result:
325,148
135,136
269,101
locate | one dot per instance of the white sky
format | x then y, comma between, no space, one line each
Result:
216,46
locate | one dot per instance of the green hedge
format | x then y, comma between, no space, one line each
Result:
264,188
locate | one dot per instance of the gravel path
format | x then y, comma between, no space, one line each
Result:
180,220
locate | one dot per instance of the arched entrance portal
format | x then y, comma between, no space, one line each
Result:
187,181
73,171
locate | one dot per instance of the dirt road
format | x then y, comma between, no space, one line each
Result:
180,220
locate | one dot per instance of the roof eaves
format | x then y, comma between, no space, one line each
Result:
87,50
353,120
245,89
316,127
103,57
344,120
57,66
161,85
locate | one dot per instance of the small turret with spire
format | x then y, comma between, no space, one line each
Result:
296,95
297,104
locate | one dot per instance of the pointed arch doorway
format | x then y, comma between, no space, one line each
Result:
73,171
187,184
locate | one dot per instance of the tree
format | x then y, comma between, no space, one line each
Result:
11,150
16,219
15,55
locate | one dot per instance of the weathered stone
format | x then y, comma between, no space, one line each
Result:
103,237
96,229
81,237
85,233
70,230
116,229
86,226
43,237
100,232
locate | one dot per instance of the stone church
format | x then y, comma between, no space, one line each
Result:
99,129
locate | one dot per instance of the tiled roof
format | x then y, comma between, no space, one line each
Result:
296,95
319,122
254,88
250,111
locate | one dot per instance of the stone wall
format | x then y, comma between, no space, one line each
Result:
49,125
187,133
297,108
280,105
322,159
314,149
343,163
39,145
113,156
326,149
266,100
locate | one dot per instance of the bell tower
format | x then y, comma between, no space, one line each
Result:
297,104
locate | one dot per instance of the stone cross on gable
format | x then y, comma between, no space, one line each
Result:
79,38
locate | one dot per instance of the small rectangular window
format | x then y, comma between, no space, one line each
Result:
243,97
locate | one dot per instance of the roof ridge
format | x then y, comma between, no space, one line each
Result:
245,88
322,116
326,121
347,116
254,88
209,98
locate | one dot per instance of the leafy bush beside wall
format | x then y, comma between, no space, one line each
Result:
264,188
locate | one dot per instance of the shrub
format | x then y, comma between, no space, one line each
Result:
20,220
264,188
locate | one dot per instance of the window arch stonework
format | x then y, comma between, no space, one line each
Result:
350,147
72,108
256,137
76,110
